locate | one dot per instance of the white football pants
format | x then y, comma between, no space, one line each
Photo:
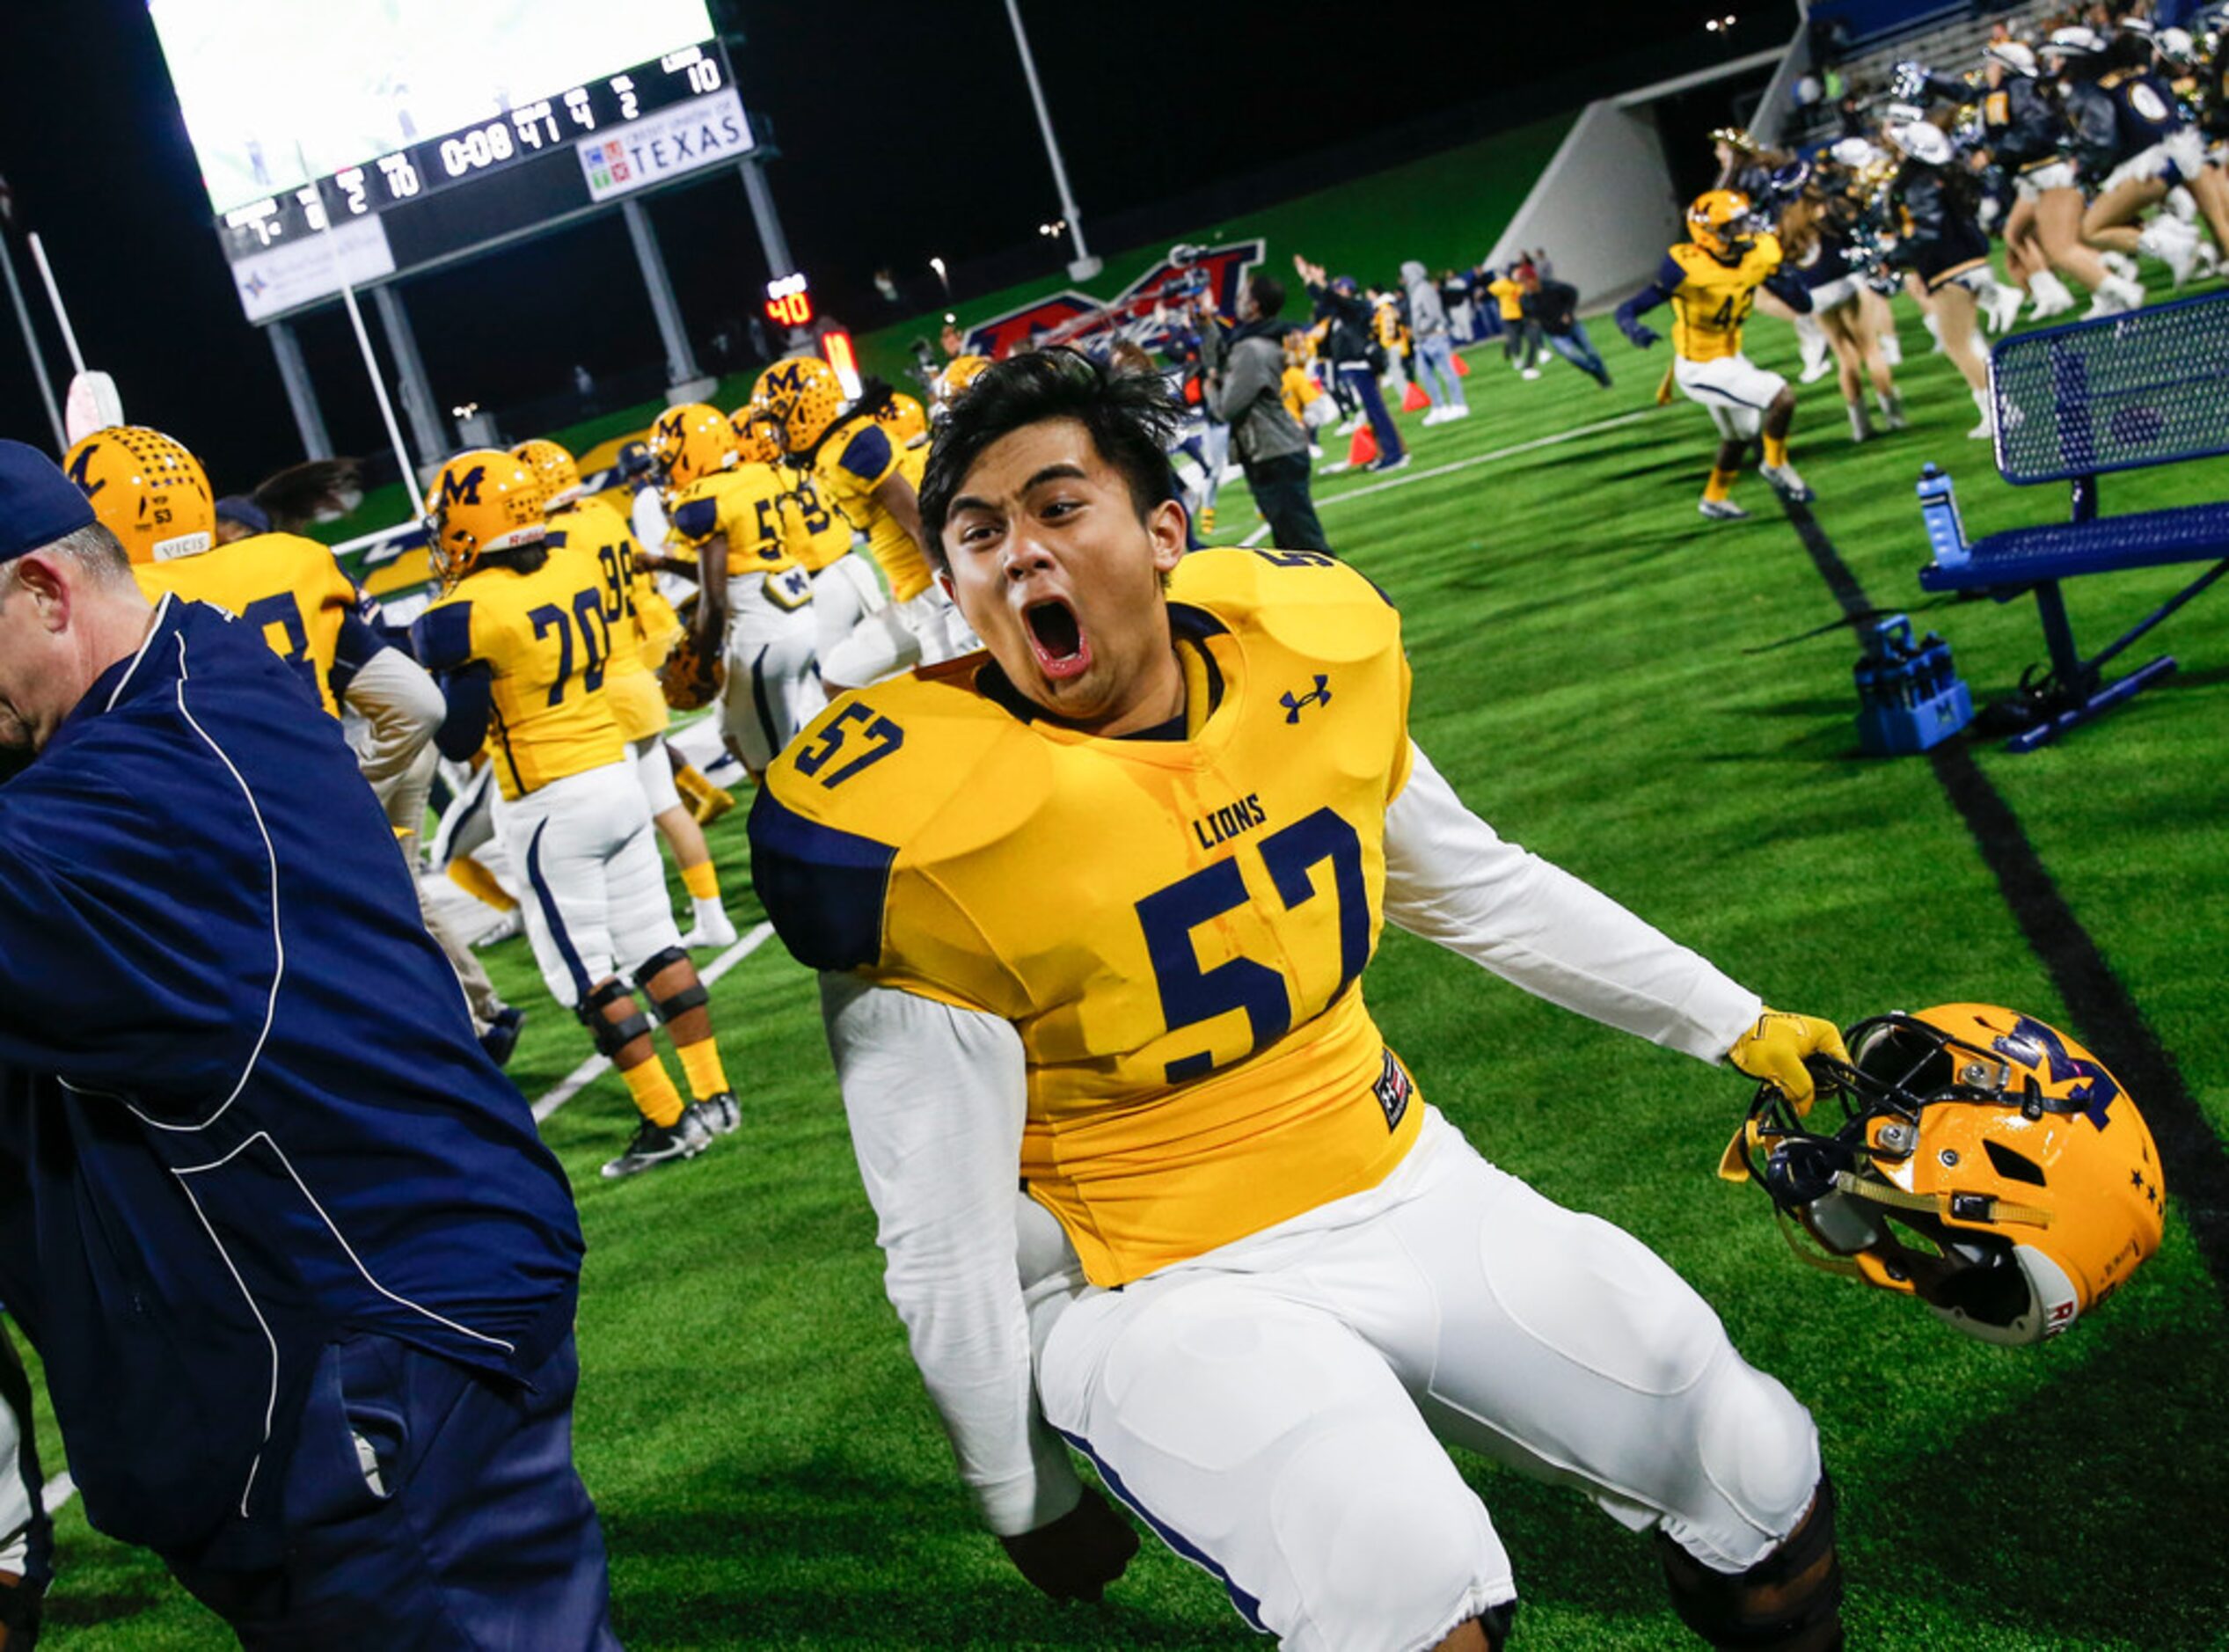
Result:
1274,1409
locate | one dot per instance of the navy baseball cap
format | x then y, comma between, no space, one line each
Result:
238,508
1343,283
38,503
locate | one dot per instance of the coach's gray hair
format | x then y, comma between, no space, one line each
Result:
92,548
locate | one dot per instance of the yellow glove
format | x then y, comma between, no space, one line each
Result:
1773,1052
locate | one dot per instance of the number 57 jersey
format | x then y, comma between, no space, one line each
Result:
1177,928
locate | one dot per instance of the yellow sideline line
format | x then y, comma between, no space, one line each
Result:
595,1066
1407,476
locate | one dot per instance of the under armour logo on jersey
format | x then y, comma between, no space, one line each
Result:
1320,695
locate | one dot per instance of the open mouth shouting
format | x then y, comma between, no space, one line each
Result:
1057,638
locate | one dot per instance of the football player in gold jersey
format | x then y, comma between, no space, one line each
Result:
1095,907
873,483
1711,283
154,495
522,643
635,614
755,600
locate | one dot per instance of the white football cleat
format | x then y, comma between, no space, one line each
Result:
1786,482
1721,510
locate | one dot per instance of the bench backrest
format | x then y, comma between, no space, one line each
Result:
2147,387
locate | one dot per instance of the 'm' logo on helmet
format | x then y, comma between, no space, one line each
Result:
2038,1045
81,465
790,377
463,489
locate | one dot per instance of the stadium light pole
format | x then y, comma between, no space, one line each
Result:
1084,266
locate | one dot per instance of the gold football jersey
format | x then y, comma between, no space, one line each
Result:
288,587
547,645
1712,300
817,535
589,528
1177,928
746,505
854,459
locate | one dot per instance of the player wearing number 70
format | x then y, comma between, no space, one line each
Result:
520,639
1095,907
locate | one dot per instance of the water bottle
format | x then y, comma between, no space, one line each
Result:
1938,507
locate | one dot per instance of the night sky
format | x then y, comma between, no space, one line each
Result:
906,130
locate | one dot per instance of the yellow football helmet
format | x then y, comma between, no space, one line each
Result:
805,396
758,438
1720,222
1987,1163
147,490
484,499
960,372
904,418
692,442
553,467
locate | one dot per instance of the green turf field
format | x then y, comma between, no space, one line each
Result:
1664,706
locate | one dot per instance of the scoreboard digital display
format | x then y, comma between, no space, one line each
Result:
520,164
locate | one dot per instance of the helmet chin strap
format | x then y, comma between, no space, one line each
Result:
1960,1207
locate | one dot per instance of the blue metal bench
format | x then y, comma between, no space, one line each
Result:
2120,393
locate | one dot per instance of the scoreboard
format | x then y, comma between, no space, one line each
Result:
535,164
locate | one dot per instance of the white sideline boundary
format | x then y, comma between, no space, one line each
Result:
1408,477
595,1066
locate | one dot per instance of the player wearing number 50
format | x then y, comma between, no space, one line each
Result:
301,1275
1096,907
520,641
755,600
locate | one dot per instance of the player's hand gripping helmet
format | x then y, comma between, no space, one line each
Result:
147,490
960,372
805,396
553,468
1986,1164
1720,222
692,442
484,499
692,675
758,437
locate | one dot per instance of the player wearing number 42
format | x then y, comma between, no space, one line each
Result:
1253,1273
520,639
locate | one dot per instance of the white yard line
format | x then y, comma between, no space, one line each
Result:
58,1491
1404,478
595,1066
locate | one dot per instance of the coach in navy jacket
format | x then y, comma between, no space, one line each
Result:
301,1272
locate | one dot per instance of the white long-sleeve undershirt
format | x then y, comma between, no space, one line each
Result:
936,1099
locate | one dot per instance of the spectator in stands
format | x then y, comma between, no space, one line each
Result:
1553,307
1244,386
1352,349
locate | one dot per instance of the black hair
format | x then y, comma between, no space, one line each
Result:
1130,417
1268,294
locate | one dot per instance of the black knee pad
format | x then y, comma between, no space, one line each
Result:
610,1037
1495,1620
1791,1599
688,998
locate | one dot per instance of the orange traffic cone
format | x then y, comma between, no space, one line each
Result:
1414,399
1364,448
1462,368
